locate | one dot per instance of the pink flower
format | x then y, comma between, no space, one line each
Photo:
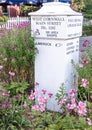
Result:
32,96
89,122
3,105
82,108
1,67
72,105
11,73
82,50
36,92
42,100
63,101
72,92
84,62
84,82
4,83
9,104
43,91
17,96
25,104
12,59
35,107
50,95
42,108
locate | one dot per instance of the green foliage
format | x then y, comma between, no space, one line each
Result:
26,9
17,87
12,111
61,93
14,121
69,123
87,11
87,30
86,72
18,54
3,18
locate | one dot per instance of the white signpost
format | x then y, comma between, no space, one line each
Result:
56,28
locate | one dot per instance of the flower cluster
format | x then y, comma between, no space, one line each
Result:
72,105
40,98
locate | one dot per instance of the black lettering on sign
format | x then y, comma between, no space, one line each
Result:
42,43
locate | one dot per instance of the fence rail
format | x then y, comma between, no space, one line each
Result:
13,21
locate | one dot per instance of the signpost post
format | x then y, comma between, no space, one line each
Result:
56,29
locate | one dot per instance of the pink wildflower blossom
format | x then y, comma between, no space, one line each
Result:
36,93
84,62
50,95
17,96
32,96
12,59
82,108
84,82
42,100
3,105
43,91
89,122
25,104
72,92
42,108
72,105
35,107
11,73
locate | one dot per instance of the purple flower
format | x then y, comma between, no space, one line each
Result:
85,43
3,105
17,96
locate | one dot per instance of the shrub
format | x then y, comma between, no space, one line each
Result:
17,54
3,18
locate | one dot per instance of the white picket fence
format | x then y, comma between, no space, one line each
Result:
14,21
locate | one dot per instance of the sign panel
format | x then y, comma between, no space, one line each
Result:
53,66
58,27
